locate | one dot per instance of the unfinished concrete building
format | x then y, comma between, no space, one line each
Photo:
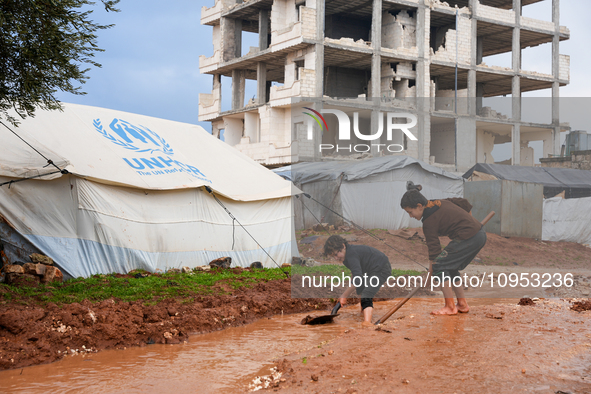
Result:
428,56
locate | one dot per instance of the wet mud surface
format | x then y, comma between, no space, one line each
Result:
497,347
220,362
543,348
34,334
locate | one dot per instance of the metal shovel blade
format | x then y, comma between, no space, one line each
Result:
322,319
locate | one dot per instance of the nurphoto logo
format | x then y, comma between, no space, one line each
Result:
394,121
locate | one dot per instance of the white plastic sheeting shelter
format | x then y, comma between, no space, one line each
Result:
567,220
368,192
134,196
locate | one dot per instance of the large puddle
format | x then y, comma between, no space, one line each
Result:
220,362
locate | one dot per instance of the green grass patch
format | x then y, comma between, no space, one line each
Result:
151,288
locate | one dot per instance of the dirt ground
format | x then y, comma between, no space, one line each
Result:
498,251
501,348
31,335
499,255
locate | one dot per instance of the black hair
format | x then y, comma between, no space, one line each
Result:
334,244
412,198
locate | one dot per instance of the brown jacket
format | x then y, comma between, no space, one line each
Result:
449,220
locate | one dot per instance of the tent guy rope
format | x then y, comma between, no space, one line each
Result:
49,161
210,191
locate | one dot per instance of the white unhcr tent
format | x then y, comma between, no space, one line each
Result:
134,195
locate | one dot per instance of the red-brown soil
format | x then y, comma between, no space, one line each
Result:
493,349
34,334
526,302
581,306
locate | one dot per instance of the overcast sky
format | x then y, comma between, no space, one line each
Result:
151,58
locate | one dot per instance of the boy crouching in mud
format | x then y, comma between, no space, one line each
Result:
364,262
445,218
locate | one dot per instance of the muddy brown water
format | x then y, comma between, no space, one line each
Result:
220,362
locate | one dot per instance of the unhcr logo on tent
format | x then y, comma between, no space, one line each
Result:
141,139
138,139
393,122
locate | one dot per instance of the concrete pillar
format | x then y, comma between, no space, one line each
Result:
376,43
516,145
376,68
472,91
238,87
263,29
479,96
423,83
479,86
479,49
238,37
217,86
319,70
555,74
319,49
228,33
231,32
262,83
516,87
422,33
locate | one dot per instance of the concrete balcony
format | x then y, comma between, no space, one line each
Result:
303,87
268,153
286,37
207,64
210,106
536,24
495,14
296,32
285,92
210,16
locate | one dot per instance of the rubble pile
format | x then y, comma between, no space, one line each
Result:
41,269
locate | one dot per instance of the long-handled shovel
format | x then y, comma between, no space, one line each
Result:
415,290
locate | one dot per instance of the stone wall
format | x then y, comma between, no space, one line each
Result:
579,160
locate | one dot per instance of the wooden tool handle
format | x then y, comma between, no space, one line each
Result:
399,305
487,218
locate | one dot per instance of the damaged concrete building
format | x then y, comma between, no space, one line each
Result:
428,56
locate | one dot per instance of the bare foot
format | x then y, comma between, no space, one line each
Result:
446,311
463,308
366,324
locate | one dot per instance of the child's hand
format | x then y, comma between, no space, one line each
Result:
343,301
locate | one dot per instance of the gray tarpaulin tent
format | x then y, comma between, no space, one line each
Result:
365,191
575,183
563,219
